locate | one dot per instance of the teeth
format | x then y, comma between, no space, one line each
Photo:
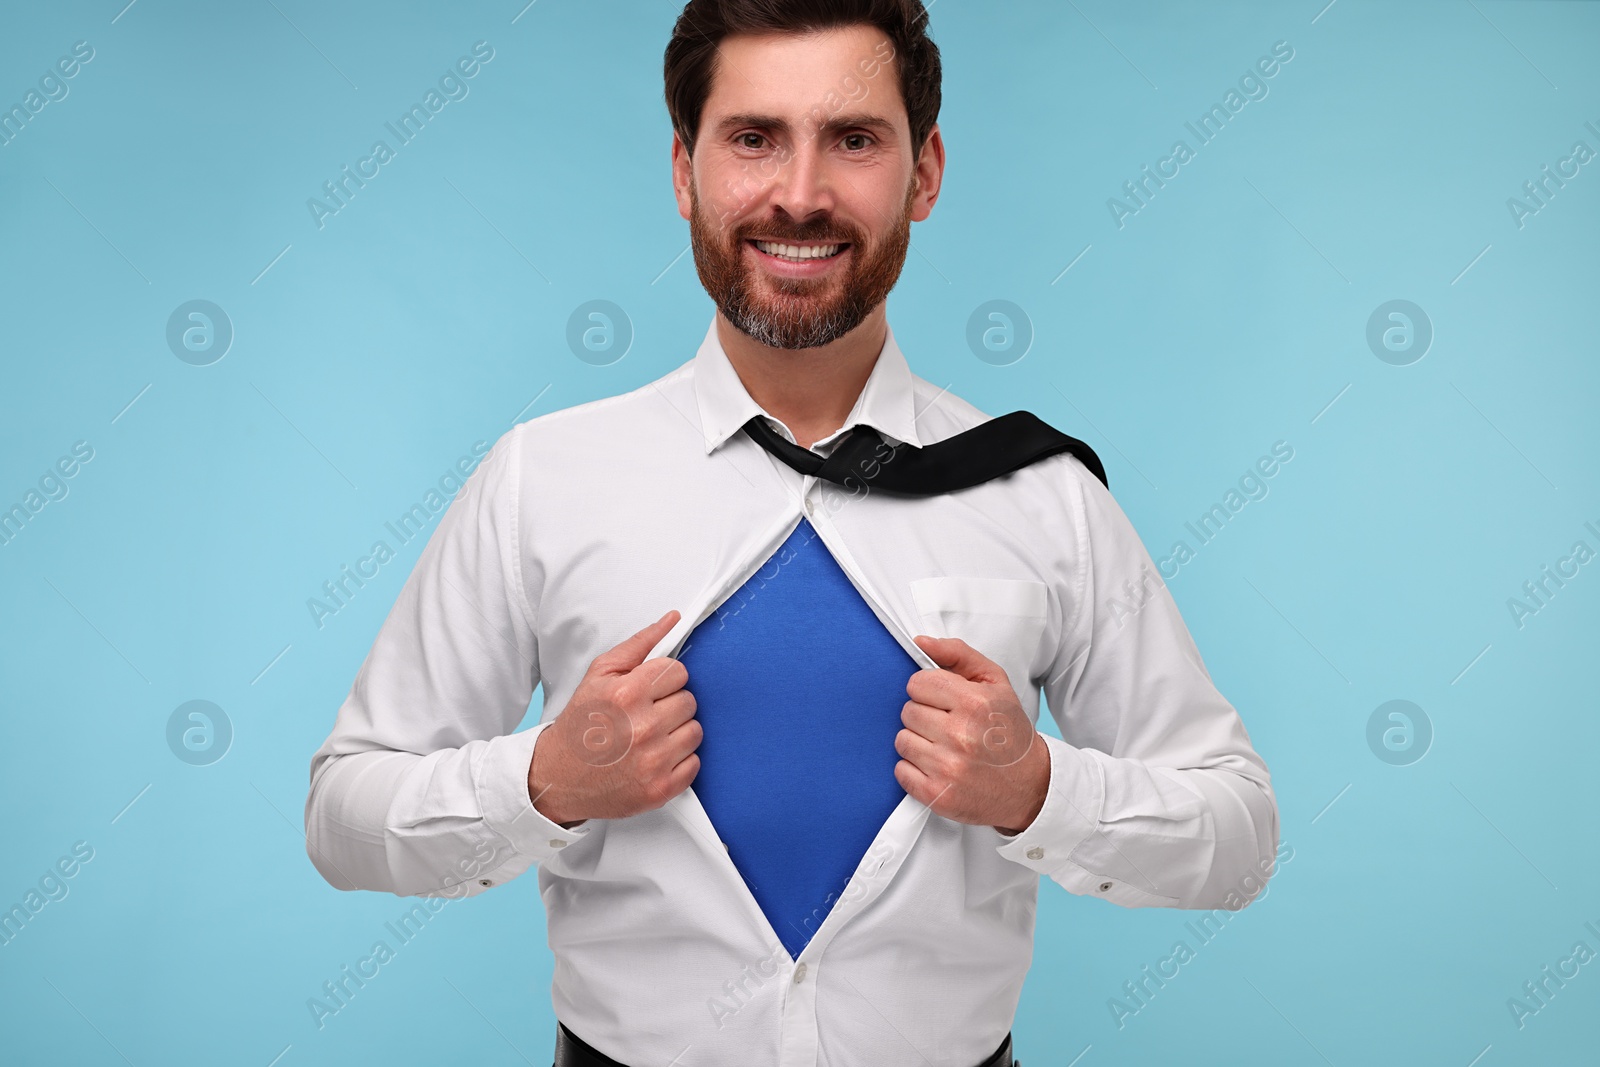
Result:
798,252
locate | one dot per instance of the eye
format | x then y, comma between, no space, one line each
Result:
744,140
863,139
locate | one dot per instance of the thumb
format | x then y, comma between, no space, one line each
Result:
954,654
632,652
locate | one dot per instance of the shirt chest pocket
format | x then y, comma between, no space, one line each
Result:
1003,618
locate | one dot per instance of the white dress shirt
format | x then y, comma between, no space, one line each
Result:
581,527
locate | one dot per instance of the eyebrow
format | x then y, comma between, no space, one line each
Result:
836,124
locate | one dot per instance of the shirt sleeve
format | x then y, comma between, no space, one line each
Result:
422,788
1156,797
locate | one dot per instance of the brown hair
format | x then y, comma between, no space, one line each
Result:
692,51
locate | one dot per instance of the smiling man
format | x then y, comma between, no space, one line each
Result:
801,817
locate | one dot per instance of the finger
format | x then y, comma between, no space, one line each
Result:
630,653
923,719
687,736
683,774
938,688
676,711
918,785
958,656
663,676
916,750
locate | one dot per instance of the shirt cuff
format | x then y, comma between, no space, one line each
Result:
1071,812
507,808
1073,806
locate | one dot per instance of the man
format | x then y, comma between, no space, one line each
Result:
801,816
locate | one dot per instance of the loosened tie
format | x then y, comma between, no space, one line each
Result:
985,452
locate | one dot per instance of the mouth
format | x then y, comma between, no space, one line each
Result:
799,252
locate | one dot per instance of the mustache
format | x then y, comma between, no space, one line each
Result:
825,232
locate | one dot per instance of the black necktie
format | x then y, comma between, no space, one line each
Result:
972,457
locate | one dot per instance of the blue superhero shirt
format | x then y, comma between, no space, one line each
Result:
799,689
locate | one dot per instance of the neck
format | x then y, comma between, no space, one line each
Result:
810,390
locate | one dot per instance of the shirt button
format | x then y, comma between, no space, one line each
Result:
556,842
811,509
799,973
1035,853
1104,886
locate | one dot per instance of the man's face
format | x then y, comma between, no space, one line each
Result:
804,147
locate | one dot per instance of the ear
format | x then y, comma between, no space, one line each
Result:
682,175
929,174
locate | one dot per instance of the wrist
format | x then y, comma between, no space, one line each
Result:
1035,777
540,792
542,803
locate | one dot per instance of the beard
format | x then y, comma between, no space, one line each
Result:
797,312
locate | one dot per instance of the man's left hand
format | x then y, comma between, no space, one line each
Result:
968,750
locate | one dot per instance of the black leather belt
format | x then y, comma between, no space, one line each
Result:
572,1051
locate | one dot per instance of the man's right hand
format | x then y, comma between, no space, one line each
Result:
626,741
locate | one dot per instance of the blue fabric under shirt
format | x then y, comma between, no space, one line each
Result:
799,688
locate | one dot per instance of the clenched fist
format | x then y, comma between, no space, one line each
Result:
968,750
626,741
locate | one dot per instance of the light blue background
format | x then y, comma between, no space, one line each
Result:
1228,314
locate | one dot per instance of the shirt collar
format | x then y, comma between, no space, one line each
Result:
886,402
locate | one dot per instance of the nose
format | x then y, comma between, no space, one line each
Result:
804,185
